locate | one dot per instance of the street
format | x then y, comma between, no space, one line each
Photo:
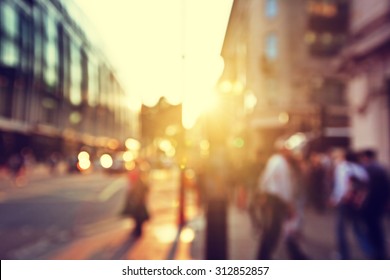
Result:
78,216
48,218
49,211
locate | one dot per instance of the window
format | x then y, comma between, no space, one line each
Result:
75,75
50,28
9,49
66,64
51,51
271,46
51,63
104,85
322,9
26,43
9,20
93,86
9,53
271,8
38,44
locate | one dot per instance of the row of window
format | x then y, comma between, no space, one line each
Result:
58,58
327,25
319,43
271,40
54,65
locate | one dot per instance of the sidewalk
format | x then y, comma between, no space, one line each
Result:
163,240
318,240
162,236
242,239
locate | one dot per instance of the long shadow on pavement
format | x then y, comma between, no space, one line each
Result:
125,247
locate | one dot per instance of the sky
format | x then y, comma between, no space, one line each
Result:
147,39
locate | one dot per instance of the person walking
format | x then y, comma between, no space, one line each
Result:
377,200
346,170
136,198
277,199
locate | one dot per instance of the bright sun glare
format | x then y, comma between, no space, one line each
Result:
167,48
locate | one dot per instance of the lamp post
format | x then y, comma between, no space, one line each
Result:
216,215
182,133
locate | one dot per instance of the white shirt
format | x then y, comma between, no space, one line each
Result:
342,174
277,178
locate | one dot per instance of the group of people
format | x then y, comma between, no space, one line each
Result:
290,181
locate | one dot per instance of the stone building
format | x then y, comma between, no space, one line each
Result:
277,67
366,63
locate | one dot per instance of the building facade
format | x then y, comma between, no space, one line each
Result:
277,58
58,91
366,64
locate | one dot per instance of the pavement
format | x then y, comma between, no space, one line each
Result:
163,237
317,240
170,242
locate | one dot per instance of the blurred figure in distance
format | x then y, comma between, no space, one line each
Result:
377,201
16,167
279,204
137,197
346,168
